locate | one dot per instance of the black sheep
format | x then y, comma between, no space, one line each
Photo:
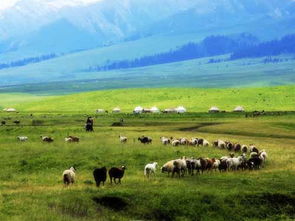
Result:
222,166
145,140
100,175
116,173
254,163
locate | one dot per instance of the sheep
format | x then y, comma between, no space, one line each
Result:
194,141
220,144
235,162
253,148
116,173
150,169
72,139
201,164
165,140
216,164
123,139
237,147
200,141
229,145
22,138
145,140
181,164
253,154
175,143
184,141
223,165
169,168
46,139
210,163
254,163
262,155
244,148
69,176
100,175
206,143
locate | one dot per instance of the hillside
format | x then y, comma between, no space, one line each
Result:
195,100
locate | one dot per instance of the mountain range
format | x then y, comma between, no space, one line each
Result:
100,31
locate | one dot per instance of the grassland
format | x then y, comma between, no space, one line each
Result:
195,100
31,186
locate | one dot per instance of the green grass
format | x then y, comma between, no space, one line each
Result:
31,186
195,100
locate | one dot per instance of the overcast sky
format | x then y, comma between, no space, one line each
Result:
58,3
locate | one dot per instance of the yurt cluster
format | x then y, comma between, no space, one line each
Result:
178,110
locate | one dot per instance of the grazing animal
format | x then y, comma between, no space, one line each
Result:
172,166
234,162
216,164
184,141
22,138
194,141
262,155
72,139
3,123
253,154
229,145
254,163
237,147
165,140
206,143
145,140
244,149
201,164
69,176
175,143
47,139
100,175
150,169
253,148
223,165
220,144
116,173
123,139
200,141
17,122
181,165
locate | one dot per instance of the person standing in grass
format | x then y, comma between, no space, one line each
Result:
89,124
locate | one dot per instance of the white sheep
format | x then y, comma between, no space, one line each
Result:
69,176
123,139
150,169
234,163
216,164
244,148
168,167
206,143
194,141
263,155
184,141
22,138
165,140
175,143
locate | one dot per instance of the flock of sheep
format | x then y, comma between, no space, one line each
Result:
184,165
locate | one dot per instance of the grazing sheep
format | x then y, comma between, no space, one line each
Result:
206,143
22,138
234,163
181,165
254,163
17,122
145,140
165,140
216,164
244,148
200,141
116,173
150,169
184,141
46,139
69,176
253,148
175,143
123,139
237,147
229,145
220,144
100,175
223,165
262,155
194,141
253,154
201,164
210,163
72,139
169,168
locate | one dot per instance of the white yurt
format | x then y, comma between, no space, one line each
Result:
180,110
239,109
9,109
138,110
116,110
155,110
214,110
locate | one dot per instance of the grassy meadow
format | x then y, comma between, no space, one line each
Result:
31,185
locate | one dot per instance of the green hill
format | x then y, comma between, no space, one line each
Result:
195,100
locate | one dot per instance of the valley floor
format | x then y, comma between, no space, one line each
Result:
31,184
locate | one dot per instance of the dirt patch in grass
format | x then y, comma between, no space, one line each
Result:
195,128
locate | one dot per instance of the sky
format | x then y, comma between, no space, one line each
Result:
4,4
